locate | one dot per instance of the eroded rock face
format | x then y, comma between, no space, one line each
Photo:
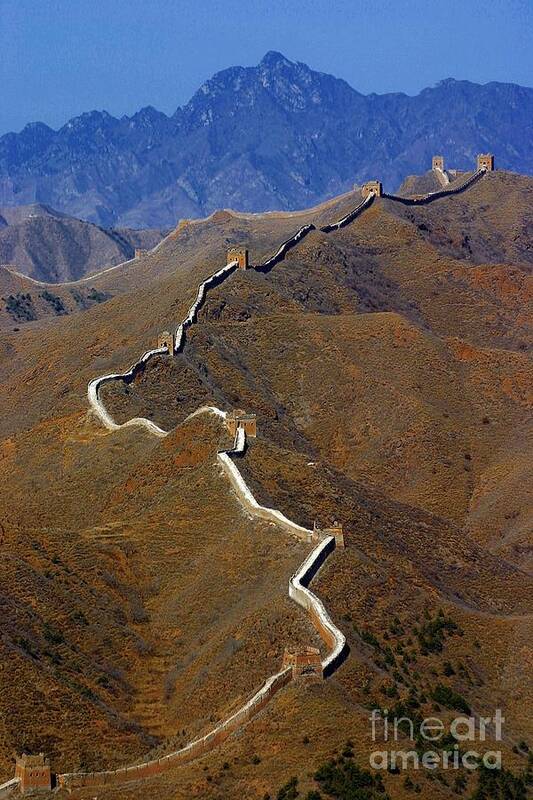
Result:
149,169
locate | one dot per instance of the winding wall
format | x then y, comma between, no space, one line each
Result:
299,582
335,226
94,385
219,276
431,196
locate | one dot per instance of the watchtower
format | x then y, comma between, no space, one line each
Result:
33,773
437,162
240,419
371,187
485,161
139,252
166,339
305,662
334,530
239,254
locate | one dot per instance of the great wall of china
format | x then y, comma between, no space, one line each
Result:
33,772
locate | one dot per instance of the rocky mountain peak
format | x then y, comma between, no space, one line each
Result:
274,60
274,135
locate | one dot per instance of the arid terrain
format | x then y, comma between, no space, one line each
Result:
50,246
389,367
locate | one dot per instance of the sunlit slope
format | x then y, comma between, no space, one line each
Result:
404,368
126,616
391,385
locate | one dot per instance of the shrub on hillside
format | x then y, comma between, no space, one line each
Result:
20,307
447,697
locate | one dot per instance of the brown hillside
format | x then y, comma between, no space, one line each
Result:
50,246
388,366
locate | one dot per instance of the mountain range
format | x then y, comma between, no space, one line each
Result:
276,136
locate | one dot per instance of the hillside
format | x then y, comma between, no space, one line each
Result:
388,365
53,247
149,170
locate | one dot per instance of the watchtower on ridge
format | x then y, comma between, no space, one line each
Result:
239,254
166,339
371,187
240,419
437,162
334,530
485,161
305,662
33,773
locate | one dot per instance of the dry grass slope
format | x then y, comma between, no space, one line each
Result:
390,374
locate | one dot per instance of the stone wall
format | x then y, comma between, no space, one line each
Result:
299,582
195,749
334,226
9,788
284,248
299,592
252,506
431,196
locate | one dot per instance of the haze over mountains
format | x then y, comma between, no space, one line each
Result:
275,136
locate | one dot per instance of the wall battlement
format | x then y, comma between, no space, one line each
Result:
240,419
305,663
166,339
238,254
372,187
33,773
485,161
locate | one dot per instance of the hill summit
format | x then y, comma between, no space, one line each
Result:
48,245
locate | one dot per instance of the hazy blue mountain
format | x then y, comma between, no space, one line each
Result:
278,135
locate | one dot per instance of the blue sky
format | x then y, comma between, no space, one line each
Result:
59,58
